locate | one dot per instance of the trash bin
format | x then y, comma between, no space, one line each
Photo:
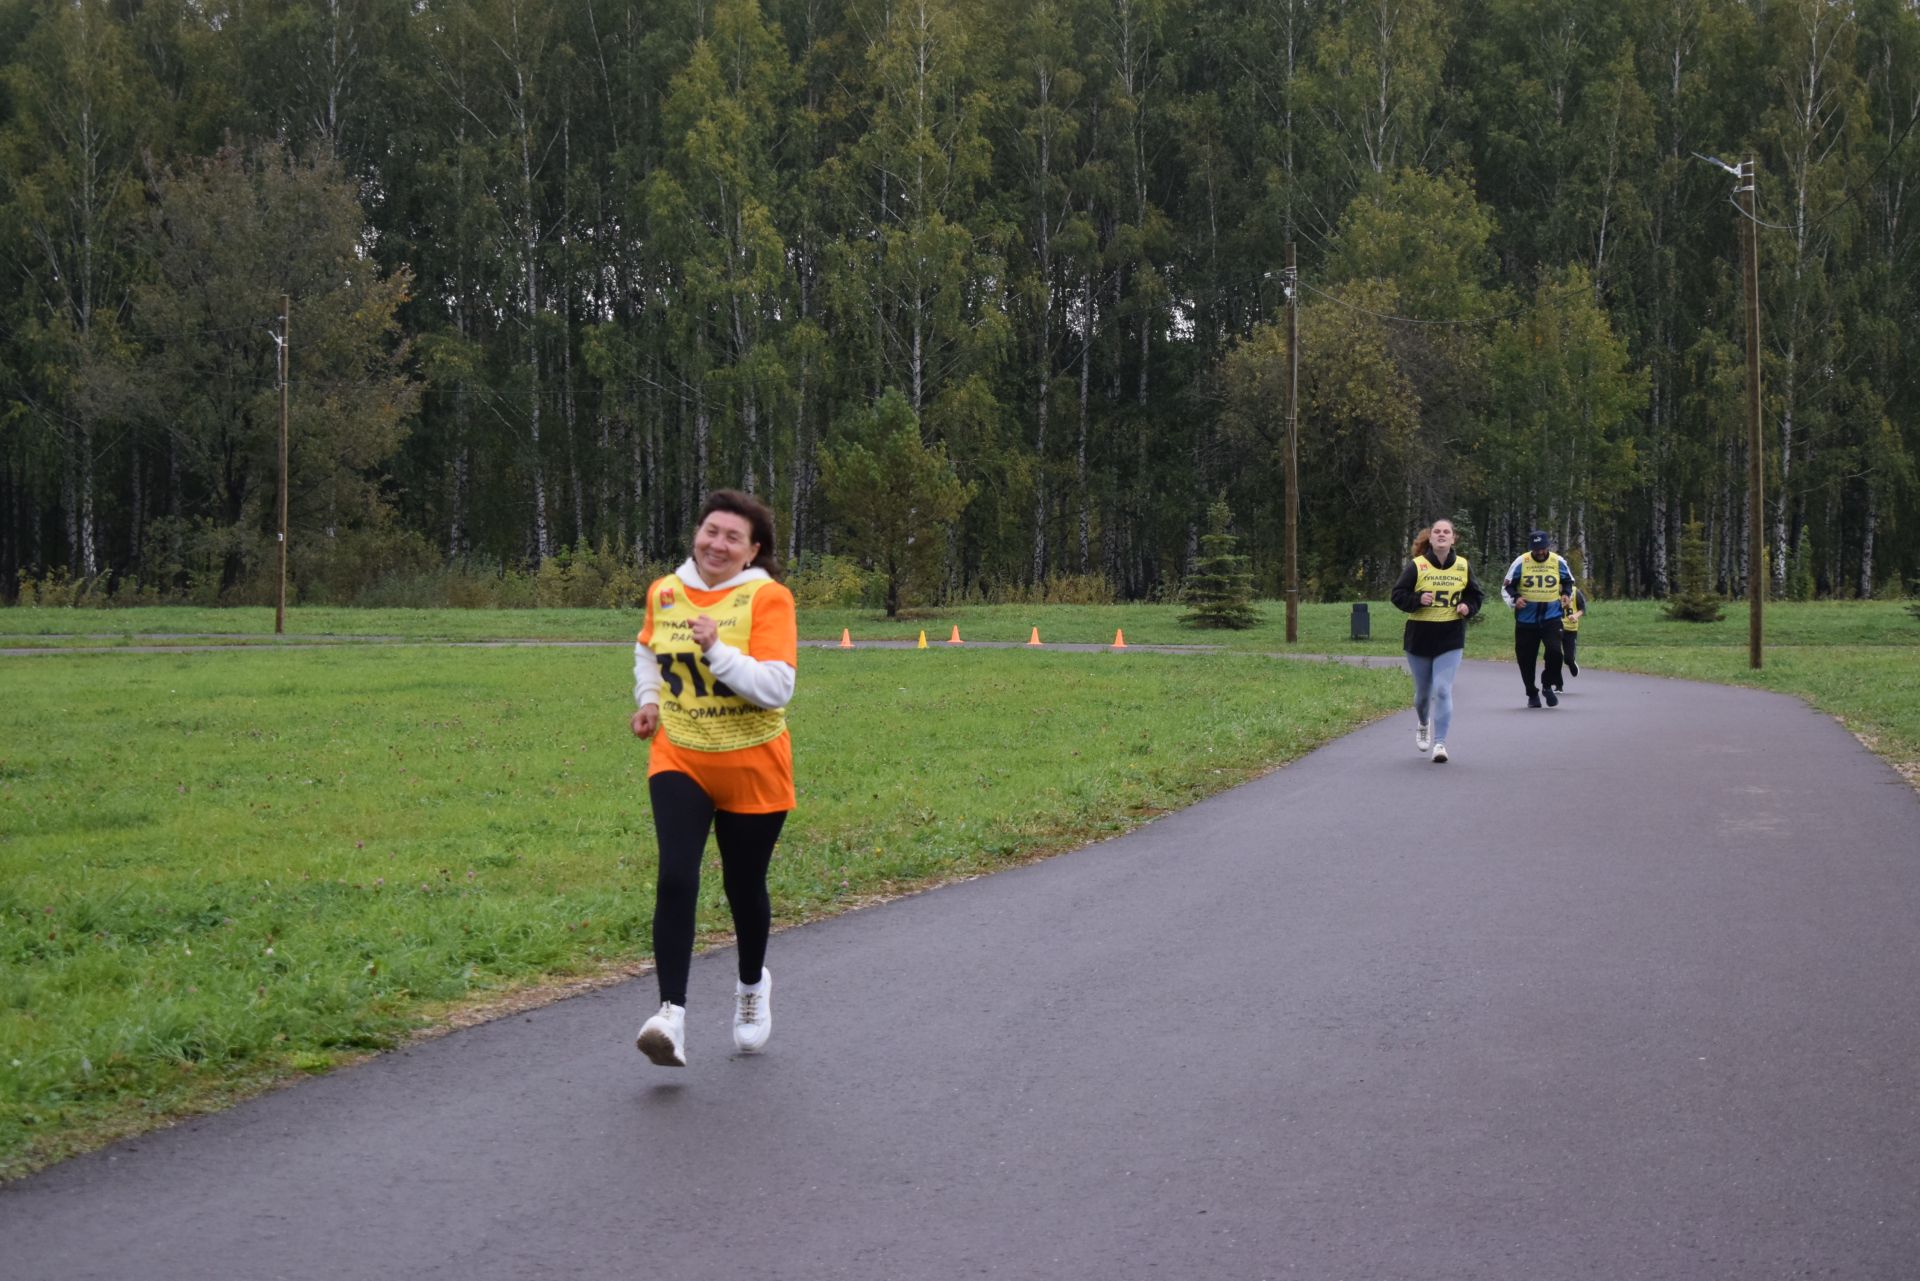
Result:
1361,628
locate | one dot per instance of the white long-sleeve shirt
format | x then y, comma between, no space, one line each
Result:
762,682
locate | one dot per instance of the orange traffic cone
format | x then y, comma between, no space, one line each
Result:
923,641
846,641
1035,638
1119,639
955,638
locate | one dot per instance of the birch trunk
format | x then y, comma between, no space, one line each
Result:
1080,455
801,471
640,442
70,503
567,408
542,537
1659,523
701,435
1872,523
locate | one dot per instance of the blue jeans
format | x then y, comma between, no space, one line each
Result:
1433,689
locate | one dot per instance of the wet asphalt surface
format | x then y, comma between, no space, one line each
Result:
1626,990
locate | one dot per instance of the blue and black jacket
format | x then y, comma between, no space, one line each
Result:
1534,613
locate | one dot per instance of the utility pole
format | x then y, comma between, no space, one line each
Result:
286,338
1292,286
1757,575
1745,180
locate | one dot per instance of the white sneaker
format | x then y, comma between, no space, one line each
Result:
753,1013
1439,753
1422,737
663,1038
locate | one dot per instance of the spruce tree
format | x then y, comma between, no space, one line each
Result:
1220,592
1691,600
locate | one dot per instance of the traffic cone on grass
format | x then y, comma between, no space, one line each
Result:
846,641
1119,639
1035,638
955,638
923,641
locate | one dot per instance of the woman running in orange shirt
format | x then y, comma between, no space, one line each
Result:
713,670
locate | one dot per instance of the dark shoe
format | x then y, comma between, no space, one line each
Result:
1553,699
1573,668
1533,699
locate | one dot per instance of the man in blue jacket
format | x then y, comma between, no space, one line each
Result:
1538,586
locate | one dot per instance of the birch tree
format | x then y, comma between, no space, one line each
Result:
226,239
70,197
711,207
1812,129
492,59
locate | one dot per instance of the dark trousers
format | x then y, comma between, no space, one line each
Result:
1528,638
682,815
1569,649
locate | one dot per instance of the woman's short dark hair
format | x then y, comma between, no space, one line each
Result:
759,518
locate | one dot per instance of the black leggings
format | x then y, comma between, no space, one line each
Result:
682,813
1528,640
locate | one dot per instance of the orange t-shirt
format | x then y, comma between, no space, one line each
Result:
750,780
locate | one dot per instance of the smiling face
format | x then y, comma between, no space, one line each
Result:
723,546
1441,536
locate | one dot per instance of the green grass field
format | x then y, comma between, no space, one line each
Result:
220,869
1856,660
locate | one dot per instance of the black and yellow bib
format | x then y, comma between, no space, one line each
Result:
1540,579
697,710
1449,588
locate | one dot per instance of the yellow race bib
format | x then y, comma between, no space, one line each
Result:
697,710
1540,580
1449,588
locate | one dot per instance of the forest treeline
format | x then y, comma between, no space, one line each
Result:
985,294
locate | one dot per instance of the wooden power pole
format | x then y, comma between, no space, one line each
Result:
286,338
1292,280
1757,574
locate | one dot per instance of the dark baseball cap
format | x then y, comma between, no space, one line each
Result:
1539,540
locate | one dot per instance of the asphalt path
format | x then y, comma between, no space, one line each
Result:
1624,991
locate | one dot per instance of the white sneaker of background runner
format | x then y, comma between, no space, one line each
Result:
1439,753
753,1013
663,1038
1422,737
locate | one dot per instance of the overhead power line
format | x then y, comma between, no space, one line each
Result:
1853,193
1410,320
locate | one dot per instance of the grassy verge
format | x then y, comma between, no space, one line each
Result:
218,870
